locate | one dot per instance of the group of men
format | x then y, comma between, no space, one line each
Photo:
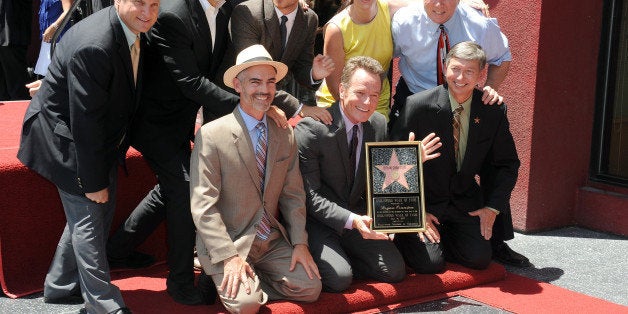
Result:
250,185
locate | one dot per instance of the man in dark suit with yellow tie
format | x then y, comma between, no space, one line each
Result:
73,132
469,186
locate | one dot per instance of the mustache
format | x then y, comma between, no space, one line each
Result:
262,94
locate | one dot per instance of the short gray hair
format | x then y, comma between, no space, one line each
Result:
467,50
368,64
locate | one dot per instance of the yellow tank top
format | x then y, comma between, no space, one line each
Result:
373,39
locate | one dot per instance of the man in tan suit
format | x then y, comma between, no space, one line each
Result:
244,175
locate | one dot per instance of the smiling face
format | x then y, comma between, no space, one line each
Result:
359,97
256,86
440,11
286,6
364,4
462,77
138,15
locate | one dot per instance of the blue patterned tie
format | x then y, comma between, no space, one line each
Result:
263,229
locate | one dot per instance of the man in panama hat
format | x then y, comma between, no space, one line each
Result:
247,196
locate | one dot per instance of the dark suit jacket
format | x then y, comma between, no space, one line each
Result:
324,162
256,22
73,127
181,78
490,153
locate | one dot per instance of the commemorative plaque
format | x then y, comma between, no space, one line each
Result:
394,173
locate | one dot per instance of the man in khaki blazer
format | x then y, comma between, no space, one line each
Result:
232,202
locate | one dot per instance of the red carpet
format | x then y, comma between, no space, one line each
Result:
523,295
32,216
145,292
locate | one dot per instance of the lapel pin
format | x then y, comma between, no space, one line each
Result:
476,120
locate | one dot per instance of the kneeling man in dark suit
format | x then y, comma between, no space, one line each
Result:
469,186
332,166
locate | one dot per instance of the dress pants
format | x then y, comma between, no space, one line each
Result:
80,261
461,243
13,73
340,258
270,259
170,200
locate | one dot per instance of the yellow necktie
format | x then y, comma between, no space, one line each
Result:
135,57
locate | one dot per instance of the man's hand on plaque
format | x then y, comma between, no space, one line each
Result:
431,232
362,224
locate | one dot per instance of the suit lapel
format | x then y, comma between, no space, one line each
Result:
445,127
201,25
474,128
244,145
272,150
123,48
340,134
294,40
368,135
271,22
222,36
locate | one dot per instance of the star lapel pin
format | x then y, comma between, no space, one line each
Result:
476,120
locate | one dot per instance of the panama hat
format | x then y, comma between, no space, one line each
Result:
251,56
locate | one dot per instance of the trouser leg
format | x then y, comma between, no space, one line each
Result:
140,224
13,67
174,180
81,252
333,263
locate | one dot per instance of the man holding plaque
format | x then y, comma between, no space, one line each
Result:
476,143
332,165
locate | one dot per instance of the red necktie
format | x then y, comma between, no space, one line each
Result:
441,53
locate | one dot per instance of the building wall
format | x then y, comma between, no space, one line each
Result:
550,92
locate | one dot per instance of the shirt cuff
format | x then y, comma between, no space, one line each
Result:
312,81
298,112
349,222
493,210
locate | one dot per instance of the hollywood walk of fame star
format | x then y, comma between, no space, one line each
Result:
394,172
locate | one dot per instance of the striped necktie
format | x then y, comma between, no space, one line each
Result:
263,229
456,127
441,53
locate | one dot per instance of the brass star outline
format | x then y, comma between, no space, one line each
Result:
394,172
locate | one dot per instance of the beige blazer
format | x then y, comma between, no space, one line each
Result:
226,199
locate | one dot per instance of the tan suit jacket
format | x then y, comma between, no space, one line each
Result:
226,199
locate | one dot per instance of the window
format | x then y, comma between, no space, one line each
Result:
610,141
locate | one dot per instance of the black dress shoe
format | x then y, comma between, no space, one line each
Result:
135,260
505,255
187,295
71,299
207,289
122,310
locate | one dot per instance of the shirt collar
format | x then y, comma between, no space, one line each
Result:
205,4
348,124
434,27
466,105
249,121
291,16
130,36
